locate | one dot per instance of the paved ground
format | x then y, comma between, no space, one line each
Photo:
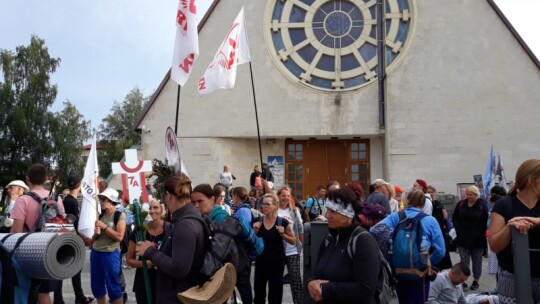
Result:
487,282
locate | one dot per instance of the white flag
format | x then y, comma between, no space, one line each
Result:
89,189
234,50
186,45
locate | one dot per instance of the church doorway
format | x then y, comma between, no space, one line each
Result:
309,163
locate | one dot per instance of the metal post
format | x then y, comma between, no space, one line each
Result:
522,267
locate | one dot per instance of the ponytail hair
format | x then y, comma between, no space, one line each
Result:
179,186
241,193
527,170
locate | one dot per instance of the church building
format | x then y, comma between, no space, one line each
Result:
458,79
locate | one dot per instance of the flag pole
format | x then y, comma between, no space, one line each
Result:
256,114
177,108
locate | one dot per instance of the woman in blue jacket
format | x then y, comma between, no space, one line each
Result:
414,291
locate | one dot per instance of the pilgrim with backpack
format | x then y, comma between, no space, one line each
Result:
411,241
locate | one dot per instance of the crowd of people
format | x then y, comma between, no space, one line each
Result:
366,230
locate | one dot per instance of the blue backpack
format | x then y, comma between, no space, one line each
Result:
405,248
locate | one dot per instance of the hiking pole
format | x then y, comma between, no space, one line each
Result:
140,238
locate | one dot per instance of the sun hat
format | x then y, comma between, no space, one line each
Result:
111,194
215,291
19,183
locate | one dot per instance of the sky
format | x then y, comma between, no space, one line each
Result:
109,47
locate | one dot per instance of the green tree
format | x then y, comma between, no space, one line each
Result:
70,133
116,130
25,96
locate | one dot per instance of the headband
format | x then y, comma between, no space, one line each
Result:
338,207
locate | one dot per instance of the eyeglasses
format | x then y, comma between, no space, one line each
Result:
266,204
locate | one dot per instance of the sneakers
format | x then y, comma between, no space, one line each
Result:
465,286
475,285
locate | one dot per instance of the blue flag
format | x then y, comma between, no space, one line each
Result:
488,177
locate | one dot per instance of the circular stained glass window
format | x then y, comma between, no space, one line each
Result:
331,45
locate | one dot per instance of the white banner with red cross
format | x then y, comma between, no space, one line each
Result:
133,179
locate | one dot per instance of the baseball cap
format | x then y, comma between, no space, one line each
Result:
73,180
379,182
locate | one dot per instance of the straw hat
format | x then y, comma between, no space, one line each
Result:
215,291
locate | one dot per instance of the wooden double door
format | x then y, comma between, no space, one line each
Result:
310,163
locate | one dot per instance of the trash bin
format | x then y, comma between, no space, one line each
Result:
314,234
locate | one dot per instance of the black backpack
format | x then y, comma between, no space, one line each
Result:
124,244
220,246
386,283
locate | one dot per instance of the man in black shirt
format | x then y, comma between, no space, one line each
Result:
71,206
267,174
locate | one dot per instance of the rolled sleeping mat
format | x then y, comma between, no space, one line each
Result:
47,256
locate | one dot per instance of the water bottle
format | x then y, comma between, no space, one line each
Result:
424,250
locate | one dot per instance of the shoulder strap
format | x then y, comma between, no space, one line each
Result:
200,220
35,196
402,215
351,246
166,227
116,217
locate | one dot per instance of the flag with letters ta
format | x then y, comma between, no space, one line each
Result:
89,190
234,50
186,45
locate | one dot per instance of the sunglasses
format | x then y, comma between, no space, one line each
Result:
266,204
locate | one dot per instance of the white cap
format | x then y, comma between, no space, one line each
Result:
19,183
111,194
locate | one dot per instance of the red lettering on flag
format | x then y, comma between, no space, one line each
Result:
188,61
181,20
192,7
202,84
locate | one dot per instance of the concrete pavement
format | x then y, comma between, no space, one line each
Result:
487,282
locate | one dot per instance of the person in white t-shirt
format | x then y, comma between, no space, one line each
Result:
292,252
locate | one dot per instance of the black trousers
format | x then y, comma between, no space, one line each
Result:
271,273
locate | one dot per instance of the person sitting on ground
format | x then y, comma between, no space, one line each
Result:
447,289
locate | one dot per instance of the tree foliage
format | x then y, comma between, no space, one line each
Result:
25,96
29,131
70,133
116,130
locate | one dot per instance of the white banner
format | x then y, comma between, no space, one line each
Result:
172,153
234,50
89,189
186,45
